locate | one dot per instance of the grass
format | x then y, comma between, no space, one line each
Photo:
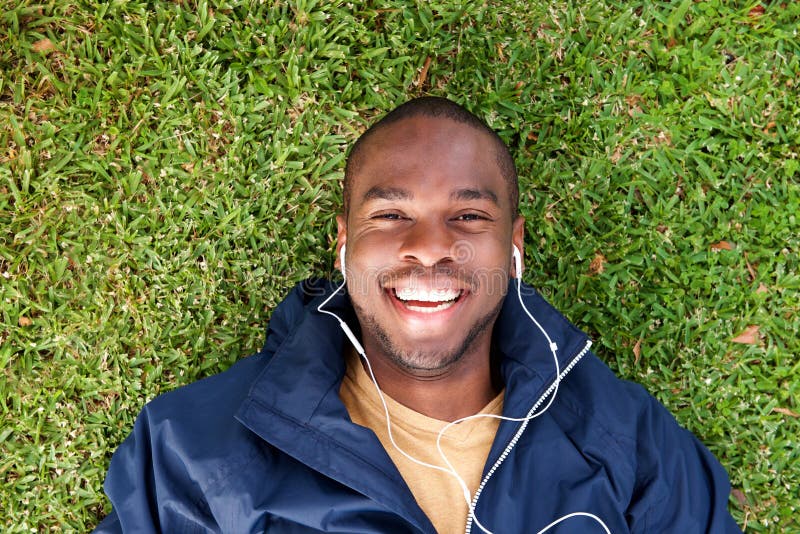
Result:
169,169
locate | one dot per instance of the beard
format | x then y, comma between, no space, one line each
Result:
419,360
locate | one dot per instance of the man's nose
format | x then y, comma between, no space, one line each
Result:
427,243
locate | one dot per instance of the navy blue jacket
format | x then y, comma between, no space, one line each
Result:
269,446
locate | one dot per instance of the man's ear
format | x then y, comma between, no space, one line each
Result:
518,240
341,238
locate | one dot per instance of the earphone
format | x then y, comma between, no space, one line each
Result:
450,470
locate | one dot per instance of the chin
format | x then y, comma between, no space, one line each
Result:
416,354
418,361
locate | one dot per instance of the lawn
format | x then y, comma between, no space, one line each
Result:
169,169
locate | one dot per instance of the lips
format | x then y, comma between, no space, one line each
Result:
424,300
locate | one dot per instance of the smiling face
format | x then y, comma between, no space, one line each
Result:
429,234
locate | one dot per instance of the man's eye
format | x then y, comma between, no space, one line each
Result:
388,216
470,217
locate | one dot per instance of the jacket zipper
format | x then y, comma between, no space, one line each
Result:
518,435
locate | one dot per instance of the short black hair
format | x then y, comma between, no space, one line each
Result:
434,106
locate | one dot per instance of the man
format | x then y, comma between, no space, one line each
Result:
340,423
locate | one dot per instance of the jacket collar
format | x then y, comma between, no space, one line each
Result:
527,365
308,364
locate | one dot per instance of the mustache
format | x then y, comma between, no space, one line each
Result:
440,275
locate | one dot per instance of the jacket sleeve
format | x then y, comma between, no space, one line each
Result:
149,490
680,486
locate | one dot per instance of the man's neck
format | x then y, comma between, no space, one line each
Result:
460,390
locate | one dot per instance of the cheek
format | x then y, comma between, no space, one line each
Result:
365,265
492,269
373,247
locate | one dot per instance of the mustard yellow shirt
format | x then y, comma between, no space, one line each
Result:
466,446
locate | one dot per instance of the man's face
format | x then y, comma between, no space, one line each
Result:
429,237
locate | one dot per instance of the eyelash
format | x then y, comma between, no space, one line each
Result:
472,217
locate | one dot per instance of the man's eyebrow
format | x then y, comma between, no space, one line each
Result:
473,194
388,193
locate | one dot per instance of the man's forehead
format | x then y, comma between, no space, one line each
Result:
425,127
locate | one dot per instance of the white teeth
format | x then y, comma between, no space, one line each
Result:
427,295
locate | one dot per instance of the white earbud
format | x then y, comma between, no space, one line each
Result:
517,262
341,262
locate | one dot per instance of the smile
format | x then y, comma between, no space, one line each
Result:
422,300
